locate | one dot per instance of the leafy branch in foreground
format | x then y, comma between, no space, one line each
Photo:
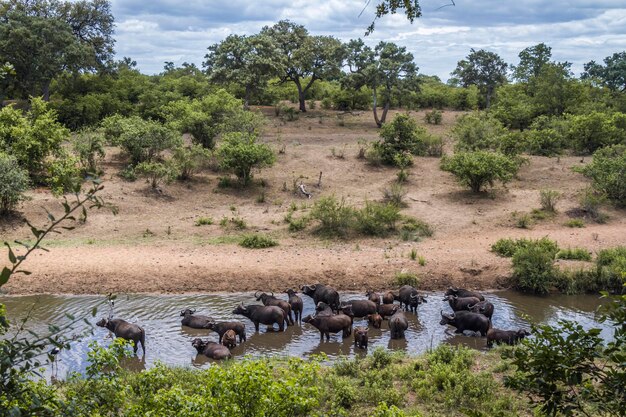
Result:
23,356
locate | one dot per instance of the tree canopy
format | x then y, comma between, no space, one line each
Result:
484,69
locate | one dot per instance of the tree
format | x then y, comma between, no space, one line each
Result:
513,107
239,152
400,136
532,59
553,90
13,183
479,168
385,69
249,61
607,172
156,172
58,35
612,73
304,59
478,131
484,69
412,10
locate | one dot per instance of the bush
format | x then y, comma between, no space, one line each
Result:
156,173
190,159
413,228
548,200
257,241
401,135
508,247
406,278
575,223
13,183
335,217
533,269
480,168
607,172
576,254
89,146
395,194
240,152
204,221
377,219
433,117
64,175
546,142
477,131
590,132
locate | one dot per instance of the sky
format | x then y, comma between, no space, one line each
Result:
153,32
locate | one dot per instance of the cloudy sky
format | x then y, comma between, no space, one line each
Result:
155,31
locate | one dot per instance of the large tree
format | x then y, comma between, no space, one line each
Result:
249,61
484,69
304,59
41,39
531,60
385,69
612,73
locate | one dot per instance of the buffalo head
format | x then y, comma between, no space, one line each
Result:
446,318
187,311
240,309
102,323
198,344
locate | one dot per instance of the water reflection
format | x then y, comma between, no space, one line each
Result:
169,342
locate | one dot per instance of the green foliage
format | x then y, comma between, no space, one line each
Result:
88,145
406,278
533,269
204,221
105,361
64,175
400,136
607,172
484,69
257,241
545,142
589,132
575,223
577,254
156,172
190,159
32,137
548,200
522,220
377,219
477,131
13,183
240,153
513,107
395,194
480,168
508,247
433,117
143,140
335,217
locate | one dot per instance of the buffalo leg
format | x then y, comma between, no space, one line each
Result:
256,326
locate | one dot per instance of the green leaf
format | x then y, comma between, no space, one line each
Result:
12,257
4,276
21,271
94,311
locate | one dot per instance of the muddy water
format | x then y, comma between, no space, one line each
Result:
169,342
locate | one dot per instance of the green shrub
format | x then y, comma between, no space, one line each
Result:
576,254
156,173
546,142
327,103
258,241
64,175
406,278
575,223
13,183
480,168
433,117
189,159
590,132
204,221
611,256
395,194
548,200
377,219
477,131
415,228
523,220
401,135
607,172
240,153
88,145
533,269
335,217
508,247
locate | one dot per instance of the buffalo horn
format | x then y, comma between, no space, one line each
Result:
256,294
471,307
442,315
414,296
272,293
312,287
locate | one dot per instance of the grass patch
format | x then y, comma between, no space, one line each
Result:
576,254
575,223
233,223
406,278
508,247
421,260
258,241
204,221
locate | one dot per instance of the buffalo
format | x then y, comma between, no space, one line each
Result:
398,324
389,297
484,307
270,300
194,321
230,339
373,296
360,337
296,305
323,309
410,298
460,303
462,292
125,330
319,292
211,349
330,324
267,315
375,320
466,320
510,337
223,327
360,308
387,310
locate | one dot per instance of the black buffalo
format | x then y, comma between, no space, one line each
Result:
194,321
323,309
211,349
267,315
386,310
373,296
389,297
319,292
466,320
484,307
409,298
330,324
360,308
296,304
222,327
270,300
360,337
125,330
398,325
510,337
460,303
462,292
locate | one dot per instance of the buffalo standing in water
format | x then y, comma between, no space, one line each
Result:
319,292
270,300
125,330
267,315
211,349
194,321
398,324
466,320
462,292
296,305
330,324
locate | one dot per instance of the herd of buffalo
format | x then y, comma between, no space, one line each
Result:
470,312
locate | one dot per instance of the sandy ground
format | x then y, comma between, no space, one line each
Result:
153,245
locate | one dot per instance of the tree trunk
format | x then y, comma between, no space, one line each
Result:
301,96
46,90
378,122
385,110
